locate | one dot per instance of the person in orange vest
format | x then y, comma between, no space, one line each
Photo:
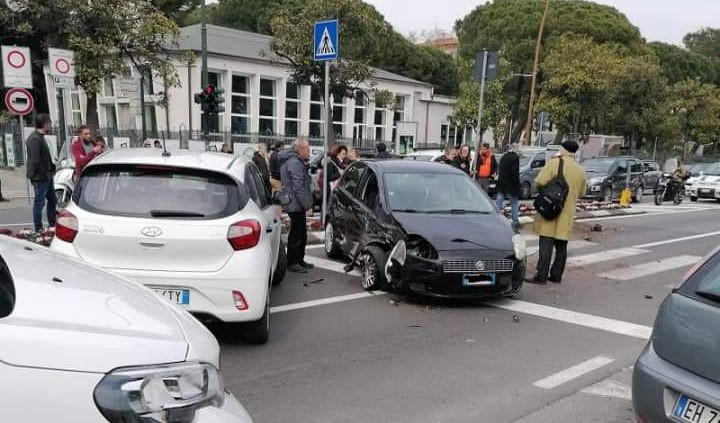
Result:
487,166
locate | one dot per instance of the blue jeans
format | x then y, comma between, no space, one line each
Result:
44,191
514,206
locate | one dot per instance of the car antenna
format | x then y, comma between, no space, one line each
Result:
165,153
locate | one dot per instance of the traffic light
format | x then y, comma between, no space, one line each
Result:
211,100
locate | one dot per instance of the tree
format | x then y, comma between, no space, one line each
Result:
695,111
179,10
679,64
104,34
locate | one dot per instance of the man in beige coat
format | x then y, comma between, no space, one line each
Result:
555,233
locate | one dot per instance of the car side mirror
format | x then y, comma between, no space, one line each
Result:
7,291
281,198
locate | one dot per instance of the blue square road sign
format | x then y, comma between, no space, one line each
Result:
326,41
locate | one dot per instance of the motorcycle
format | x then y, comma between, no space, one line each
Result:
64,177
669,189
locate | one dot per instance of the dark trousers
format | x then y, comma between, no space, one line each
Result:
44,191
546,252
297,238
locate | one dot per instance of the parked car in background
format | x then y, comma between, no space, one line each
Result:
425,155
706,186
198,228
81,345
677,377
423,227
651,175
532,160
607,177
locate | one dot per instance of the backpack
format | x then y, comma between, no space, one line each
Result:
550,201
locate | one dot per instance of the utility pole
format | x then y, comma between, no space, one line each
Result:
480,112
536,63
142,103
204,76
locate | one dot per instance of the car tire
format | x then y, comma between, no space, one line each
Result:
281,268
526,191
332,250
607,195
373,261
695,199
258,332
637,197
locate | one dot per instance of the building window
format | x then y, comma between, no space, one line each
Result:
148,84
150,119
108,89
360,118
292,110
379,124
317,127
398,114
213,123
268,102
444,130
110,118
77,116
240,105
338,111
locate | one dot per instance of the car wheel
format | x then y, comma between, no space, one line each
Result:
373,262
694,199
332,250
526,191
258,332
607,195
637,197
281,267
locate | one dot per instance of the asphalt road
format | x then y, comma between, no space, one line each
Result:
559,353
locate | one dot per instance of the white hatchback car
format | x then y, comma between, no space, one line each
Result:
81,345
199,228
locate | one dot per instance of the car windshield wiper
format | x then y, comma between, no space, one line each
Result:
174,213
406,210
709,296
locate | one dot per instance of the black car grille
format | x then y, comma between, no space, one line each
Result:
471,266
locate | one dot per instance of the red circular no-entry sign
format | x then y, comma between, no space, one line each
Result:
62,66
19,101
16,59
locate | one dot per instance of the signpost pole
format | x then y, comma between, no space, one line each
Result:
480,113
61,116
328,128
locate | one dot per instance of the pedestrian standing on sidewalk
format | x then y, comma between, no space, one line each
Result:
275,166
508,183
262,161
296,183
555,233
463,159
84,149
382,152
487,166
40,172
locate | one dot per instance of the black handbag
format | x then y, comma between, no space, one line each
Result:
550,201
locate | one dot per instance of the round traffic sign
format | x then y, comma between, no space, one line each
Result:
16,5
16,59
62,66
19,101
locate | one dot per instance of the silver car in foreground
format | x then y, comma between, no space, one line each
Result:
677,377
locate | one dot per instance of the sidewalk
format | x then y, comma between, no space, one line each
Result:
14,183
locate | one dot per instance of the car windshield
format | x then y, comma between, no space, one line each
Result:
158,192
524,160
706,282
598,165
713,169
434,193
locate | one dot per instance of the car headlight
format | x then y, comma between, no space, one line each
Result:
519,246
596,181
159,394
399,253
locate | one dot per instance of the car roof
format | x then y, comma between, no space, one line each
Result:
219,162
410,166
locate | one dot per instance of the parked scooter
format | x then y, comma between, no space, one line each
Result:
669,189
64,177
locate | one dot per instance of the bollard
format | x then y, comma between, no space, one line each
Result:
625,197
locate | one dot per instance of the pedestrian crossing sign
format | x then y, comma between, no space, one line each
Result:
326,41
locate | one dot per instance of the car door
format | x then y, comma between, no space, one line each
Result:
618,178
366,208
636,174
344,207
537,164
259,194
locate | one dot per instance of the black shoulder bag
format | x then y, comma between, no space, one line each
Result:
551,199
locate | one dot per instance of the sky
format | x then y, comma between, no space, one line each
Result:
658,20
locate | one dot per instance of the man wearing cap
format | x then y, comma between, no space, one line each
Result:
555,233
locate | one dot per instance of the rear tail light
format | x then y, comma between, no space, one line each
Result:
239,300
67,226
244,235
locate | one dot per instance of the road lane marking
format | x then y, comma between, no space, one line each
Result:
574,372
610,389
647,269
676,240
606,255
333,266
29,225
630,216
573,317
577,244
324,301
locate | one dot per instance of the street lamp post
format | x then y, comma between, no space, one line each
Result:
528,124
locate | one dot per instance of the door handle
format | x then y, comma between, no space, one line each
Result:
152,244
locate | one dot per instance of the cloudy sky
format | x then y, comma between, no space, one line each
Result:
658,20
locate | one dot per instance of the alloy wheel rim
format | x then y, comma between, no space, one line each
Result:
328,238
368,279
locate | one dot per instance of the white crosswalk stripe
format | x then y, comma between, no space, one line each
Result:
650,268
601,256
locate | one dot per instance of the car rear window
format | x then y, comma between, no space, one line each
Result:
159,192
704,284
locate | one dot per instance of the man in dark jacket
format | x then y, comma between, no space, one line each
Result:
40,172
261,160
382,152
275,166
296,183
508,183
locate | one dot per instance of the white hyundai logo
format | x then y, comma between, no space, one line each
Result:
151,231
480,265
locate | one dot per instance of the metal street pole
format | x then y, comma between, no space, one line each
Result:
328,128
536,62
480,113
203,35
142,104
